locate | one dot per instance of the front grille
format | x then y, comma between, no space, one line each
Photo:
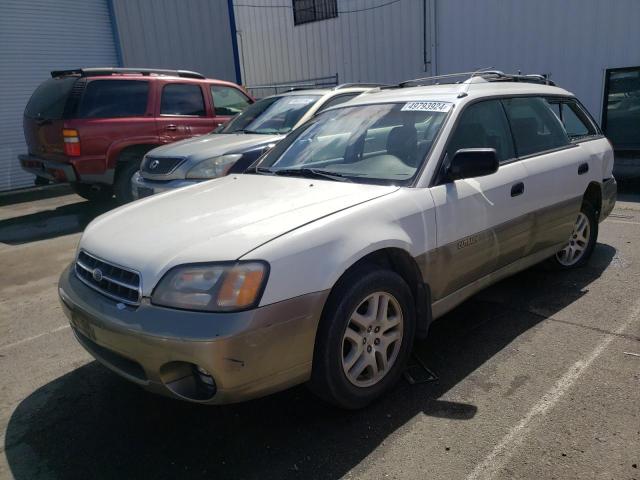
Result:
160,165
115,282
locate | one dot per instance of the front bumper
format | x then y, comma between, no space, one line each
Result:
141,187
248,354
54,171
609,195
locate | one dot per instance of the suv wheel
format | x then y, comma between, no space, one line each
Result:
364,338
581,242
93,192
124,174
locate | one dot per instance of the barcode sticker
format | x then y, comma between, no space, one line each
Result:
427,106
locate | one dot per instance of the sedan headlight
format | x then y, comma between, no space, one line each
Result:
213,167
221,287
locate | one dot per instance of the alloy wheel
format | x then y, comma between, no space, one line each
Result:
372,339
578,242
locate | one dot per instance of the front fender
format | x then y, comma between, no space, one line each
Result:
313,257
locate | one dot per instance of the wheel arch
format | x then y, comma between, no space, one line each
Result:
401,262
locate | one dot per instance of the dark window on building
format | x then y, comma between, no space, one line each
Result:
483,125
534,125
114,98
182,99
305,11
621,112
228,100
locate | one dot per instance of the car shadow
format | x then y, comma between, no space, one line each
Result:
91,424
45,224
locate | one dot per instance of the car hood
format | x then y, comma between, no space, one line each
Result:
214,144
217,220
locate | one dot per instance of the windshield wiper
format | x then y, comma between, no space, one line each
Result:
263,170
312,172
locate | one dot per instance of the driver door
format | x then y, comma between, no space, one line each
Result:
482,223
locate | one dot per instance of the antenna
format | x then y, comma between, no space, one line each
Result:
465,92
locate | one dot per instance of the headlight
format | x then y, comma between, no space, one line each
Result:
213,167
213,287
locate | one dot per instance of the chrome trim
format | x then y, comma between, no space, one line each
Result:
138,289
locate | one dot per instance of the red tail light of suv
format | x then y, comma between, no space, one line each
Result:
91,127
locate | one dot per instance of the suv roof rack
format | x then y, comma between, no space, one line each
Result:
364,85
486,74
93,72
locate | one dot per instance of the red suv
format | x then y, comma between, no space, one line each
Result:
91,127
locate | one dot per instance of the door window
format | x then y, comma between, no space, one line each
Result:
621,116
483,125
228,100
182,99
114,98
575,120
534,125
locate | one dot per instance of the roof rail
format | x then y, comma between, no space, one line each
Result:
363,85
93,72
486,74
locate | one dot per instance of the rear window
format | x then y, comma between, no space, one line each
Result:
49,99
114,98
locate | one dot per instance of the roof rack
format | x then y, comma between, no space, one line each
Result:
363,85
93,72
486,74
293,85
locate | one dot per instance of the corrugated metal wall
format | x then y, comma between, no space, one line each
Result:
38,36
382,44
574,40
180,34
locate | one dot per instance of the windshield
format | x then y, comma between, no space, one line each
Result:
384,143
271,115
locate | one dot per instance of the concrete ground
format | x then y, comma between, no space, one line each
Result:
539,377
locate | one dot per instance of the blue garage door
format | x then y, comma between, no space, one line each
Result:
37,36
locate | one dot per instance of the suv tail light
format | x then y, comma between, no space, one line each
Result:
71,142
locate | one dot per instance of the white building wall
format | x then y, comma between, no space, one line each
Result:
381,44
573,40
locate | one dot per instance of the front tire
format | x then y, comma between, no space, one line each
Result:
581,242
122,184
364,338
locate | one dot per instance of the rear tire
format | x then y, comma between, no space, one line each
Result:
581,242
364,338
93,192
122,184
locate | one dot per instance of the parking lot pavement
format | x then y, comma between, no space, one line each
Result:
539,377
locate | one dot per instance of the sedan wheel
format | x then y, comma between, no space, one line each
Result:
578,242
372,339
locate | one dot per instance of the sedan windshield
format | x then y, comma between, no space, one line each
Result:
383,143
272,115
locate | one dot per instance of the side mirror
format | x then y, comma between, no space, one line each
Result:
472,162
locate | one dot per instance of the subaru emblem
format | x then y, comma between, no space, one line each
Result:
154,164
97,275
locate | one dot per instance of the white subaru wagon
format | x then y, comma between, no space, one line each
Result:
324,261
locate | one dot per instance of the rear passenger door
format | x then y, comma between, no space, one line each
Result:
482,223
183,112
552,164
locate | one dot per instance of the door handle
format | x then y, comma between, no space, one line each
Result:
583,168
171,127
517,189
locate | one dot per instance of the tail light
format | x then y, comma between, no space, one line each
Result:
71,142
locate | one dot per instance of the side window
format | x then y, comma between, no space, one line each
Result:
576,121
534,125
483,125
182,99
337,100
114,98
228,100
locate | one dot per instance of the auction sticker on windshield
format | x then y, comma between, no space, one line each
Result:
427,106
